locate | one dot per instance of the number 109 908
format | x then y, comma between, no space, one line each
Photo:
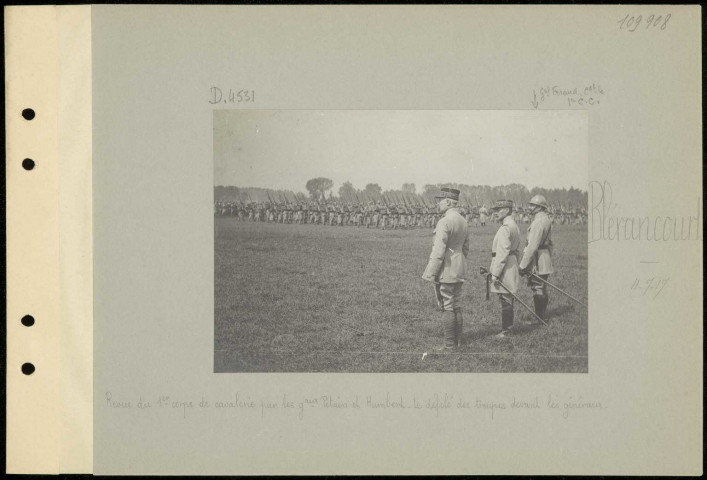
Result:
652,22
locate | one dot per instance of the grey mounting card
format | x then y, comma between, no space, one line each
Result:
230,237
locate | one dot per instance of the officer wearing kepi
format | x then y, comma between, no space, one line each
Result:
504,262
537,256
446,267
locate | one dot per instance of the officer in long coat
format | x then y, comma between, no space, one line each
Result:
537,256
447,265
504,262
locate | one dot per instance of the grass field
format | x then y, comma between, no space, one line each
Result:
312,298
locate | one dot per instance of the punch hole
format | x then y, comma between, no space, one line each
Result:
27,320
28,164
28,114
27,368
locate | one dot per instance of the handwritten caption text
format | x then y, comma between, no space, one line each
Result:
435,404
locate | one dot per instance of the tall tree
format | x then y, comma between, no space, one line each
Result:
317,187
347,191
431,189
409,188
373,190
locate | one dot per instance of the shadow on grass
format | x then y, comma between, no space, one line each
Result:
560,311
484,332
519,329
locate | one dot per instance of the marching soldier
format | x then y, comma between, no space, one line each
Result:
340,216
358,216
385,213
504,262
447,265
332,214
482,215
394,216
537,256
403,213
373,217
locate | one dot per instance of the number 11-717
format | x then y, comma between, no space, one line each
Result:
651,287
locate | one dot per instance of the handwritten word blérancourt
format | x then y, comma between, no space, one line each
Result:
606,224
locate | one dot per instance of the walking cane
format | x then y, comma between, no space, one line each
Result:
558,289
483,271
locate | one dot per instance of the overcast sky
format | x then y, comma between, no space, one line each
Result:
282,149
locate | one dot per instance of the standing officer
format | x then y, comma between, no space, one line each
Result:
447,265
537,256
504,262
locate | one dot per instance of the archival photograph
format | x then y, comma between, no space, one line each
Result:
400,241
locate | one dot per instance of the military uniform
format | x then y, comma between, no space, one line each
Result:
504,264
447,266
537,256
375,216
482,215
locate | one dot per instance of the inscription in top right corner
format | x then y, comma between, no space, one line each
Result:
583,96
633,23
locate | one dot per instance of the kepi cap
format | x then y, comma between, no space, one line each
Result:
502,204
445,192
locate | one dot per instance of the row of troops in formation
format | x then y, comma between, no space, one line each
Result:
446,267
376,215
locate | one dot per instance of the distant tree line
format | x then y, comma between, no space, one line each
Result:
572,197
231,193
320,189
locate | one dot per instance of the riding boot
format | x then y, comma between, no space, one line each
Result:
449,326
538,301
543,303
506,315
460,325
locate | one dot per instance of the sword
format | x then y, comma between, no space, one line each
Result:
483,271
558,289
488,285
